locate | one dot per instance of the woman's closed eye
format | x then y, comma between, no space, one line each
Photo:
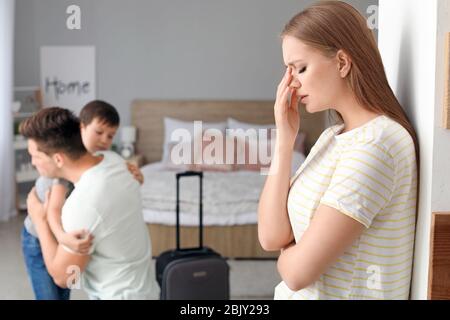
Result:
302,70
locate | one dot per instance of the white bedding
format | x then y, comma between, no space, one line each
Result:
229,198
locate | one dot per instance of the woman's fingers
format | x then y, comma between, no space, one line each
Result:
284,97
294,100
281,106
285,81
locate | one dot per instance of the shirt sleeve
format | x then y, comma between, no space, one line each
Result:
362,183
84,217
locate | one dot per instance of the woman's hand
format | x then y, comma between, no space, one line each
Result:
286,112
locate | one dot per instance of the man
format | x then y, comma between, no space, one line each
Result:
105,201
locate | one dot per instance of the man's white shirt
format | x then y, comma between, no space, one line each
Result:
106,201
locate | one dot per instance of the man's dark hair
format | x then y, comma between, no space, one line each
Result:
101,110
55,130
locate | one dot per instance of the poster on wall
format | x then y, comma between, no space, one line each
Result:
68,76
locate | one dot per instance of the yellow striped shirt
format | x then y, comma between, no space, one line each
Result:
369,174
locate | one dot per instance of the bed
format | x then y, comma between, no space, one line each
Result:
229,229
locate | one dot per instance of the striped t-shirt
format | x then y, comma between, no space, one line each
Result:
369,174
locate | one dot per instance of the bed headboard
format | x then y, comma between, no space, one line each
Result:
148,117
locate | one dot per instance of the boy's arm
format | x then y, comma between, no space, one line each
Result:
56,202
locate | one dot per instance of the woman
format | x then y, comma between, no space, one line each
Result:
345,222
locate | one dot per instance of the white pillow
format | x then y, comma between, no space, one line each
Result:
171,124
299,142
236,124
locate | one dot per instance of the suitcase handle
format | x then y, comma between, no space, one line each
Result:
190,174
200,230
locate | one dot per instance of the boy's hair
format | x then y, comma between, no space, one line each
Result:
55,130
100,110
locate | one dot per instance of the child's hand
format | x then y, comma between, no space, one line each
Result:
79,241
137,174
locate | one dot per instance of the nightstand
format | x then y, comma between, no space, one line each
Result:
137,160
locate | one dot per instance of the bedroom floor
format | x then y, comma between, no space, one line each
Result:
249,279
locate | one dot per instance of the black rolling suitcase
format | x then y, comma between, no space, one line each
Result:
192,273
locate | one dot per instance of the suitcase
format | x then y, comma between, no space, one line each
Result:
192,273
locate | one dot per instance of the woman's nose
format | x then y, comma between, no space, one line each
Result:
295,83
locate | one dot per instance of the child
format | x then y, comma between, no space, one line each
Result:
99,123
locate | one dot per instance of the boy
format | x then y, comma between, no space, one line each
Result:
99,122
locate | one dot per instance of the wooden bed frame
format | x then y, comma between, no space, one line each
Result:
148,117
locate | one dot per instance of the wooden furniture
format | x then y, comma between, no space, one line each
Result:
231,241
439,272
148,115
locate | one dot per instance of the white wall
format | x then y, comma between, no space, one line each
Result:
411,34
7,191
165,49
441,155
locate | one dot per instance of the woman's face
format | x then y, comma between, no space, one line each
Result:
314,75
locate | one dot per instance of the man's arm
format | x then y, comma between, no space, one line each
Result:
78,241
59,262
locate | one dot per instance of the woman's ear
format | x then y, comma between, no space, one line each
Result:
344,63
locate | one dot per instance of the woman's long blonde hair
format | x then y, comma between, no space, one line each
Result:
330,26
